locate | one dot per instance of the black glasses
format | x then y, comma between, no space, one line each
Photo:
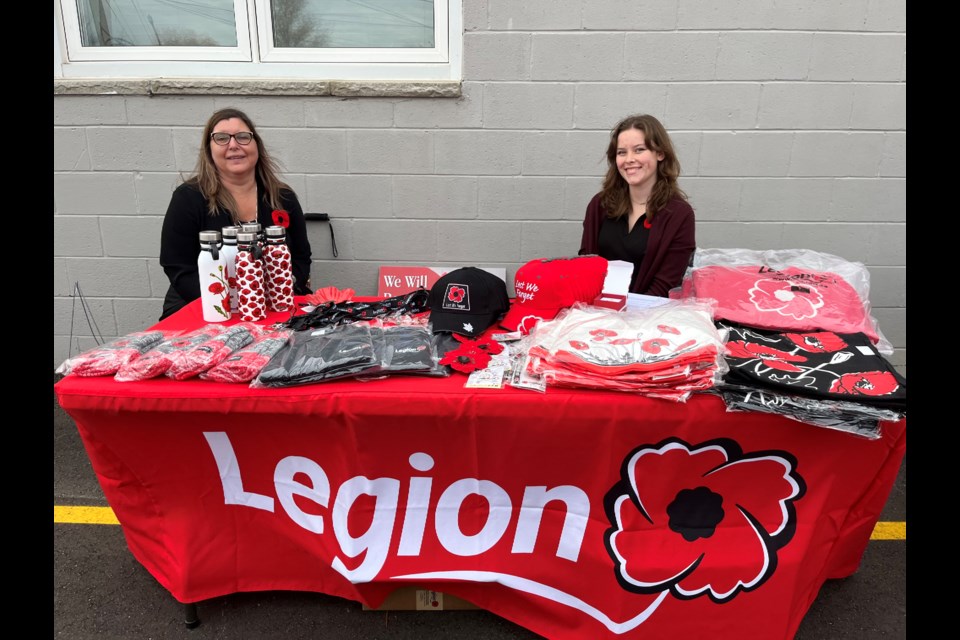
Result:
222,139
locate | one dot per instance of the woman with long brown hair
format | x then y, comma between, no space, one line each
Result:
235,181
641,215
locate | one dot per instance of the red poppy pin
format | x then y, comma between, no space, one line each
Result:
281,218
487,345
466,359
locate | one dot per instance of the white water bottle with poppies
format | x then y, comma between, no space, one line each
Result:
279,270
214,287
229,251
250,295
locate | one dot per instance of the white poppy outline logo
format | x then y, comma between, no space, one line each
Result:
682,515
796,300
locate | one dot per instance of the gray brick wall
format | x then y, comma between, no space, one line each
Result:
789,118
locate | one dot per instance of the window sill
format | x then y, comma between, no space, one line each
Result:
254,87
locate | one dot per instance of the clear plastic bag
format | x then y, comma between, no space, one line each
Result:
785,289
244,364
107,359
666,351
158,359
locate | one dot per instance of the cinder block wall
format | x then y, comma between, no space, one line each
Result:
790,121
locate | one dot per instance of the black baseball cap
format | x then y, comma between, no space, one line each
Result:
467,301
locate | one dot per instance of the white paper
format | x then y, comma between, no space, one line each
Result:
489,378
618,277
642,301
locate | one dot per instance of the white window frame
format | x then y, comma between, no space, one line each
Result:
254,57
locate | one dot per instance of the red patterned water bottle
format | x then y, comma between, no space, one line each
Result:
251,299
279,270
229,251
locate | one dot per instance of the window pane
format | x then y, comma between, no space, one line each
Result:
152,23
353,23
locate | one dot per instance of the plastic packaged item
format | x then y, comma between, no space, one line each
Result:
785,290
158,359
192,362
666,352
214,287
246,363
321,354
106,359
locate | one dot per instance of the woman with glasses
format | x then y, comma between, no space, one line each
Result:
235,181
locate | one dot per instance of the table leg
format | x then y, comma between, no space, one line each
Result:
190,617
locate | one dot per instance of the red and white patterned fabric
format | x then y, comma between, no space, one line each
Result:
253,301
278,277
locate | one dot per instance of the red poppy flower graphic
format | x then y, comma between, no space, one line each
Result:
232,281
820,342
466,359
600,334
281,218
215,288
488,345
579,346
786,298
701,520
771,357
456,294
655,345
871,383
668,329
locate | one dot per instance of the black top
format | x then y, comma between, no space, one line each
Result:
187,216
616,243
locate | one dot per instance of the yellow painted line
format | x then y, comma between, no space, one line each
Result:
889,531
105,515
84,515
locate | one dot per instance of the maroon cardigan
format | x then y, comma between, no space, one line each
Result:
670,246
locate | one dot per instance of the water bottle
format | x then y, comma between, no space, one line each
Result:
254,227
229,251
214,288
252,303
278,279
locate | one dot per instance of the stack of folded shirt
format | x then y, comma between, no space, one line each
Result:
792,298
351,350
664,352
831,379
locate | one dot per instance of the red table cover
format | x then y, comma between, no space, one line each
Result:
574,513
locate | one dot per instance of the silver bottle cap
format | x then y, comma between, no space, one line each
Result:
246,236
210,236
230,232
253,227
275,232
